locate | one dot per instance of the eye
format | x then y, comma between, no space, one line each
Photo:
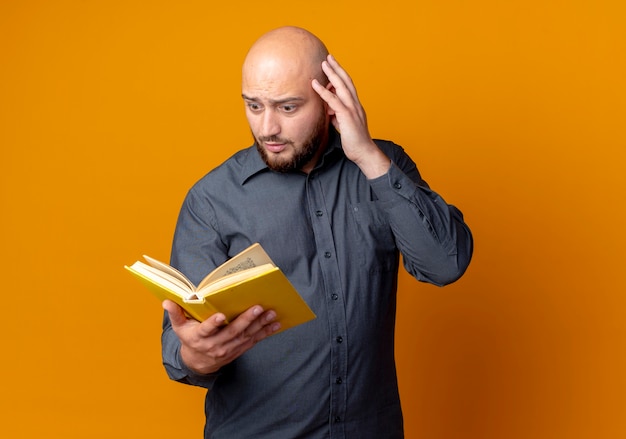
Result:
288,108
254,107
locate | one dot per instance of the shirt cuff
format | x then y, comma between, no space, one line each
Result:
393,186
198,379
181,373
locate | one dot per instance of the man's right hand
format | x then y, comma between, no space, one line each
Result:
209,345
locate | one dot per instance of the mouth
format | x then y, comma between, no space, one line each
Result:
275,147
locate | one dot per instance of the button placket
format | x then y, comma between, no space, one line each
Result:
325,244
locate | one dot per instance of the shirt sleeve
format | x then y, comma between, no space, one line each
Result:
173,362
431,235
195,252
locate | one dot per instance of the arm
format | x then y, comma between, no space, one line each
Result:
193,352
432,236
435,242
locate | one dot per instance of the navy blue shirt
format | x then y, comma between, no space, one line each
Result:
338,237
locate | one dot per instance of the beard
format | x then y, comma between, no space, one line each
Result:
302,154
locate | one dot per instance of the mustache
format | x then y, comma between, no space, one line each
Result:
273,139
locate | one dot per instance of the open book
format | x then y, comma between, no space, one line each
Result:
249,278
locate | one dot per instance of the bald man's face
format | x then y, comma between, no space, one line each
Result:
287,117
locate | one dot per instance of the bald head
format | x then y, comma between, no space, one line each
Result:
288,118
287,51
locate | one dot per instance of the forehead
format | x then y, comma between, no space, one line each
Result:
271,78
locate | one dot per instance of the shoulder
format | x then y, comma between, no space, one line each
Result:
233,170
389,146
400,158
394,151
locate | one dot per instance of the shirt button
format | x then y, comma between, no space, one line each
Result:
327,255
319,213
334,296
339,381
339,339
337,419
397,185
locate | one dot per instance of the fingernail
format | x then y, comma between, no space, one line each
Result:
257,311
270,316
275,327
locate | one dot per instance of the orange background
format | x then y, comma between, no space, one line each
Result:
514,111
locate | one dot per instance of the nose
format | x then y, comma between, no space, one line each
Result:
270,125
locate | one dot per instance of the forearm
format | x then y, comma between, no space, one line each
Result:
432,236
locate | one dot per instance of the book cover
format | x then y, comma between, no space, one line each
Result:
231,293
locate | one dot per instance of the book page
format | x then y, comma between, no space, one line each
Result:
234,278
171,283
161,266
253,256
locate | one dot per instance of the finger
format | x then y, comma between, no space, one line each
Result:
345,92
341,72
211,325
239,326
263,326
341,90
339,78
251,327
179,320
328,96
176,314
235,339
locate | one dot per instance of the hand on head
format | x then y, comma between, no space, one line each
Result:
348,117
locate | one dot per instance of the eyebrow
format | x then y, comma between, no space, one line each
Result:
275,101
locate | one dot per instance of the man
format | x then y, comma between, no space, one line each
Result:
334,209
